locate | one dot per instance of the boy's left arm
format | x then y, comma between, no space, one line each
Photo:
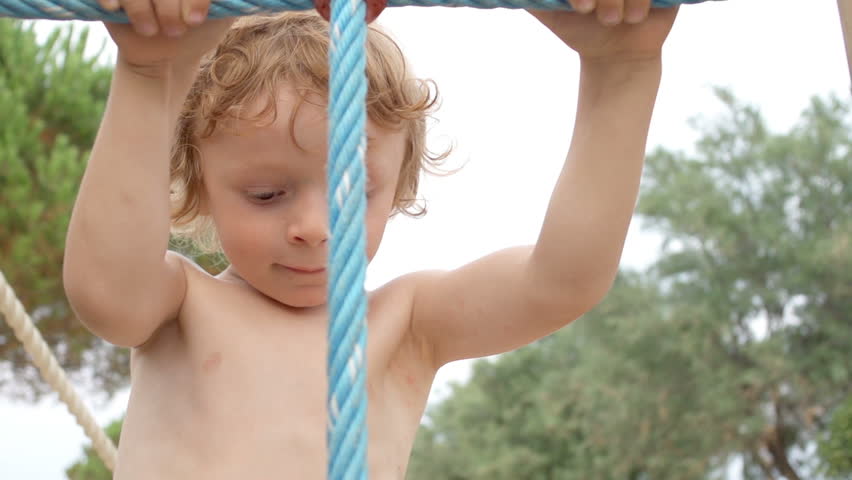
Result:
515,296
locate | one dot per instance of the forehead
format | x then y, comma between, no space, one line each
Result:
295,126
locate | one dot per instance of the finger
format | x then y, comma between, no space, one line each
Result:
169,17
635,11
375,8
664,16
194,12
141,15
610,12
109,5
583,6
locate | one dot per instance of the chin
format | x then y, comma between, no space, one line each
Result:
302,303
304,299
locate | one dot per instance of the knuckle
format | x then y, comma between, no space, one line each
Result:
636,10
583,6
137,8
169,16
610,12
141,15
198,4
195,11
109,5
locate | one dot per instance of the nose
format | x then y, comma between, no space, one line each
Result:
310,226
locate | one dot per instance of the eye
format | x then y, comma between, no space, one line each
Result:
265,197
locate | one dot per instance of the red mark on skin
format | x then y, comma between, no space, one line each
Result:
410,380
212,362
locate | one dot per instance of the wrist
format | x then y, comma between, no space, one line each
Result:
163,86
610,89
605,73
164,72
614,65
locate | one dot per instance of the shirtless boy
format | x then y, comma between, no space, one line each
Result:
228,371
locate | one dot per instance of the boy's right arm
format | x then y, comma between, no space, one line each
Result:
117,273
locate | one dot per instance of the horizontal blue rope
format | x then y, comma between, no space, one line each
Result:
90,10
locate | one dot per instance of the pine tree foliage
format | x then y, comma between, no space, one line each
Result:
51,97
836,447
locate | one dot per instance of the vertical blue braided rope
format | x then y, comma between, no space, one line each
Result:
347,300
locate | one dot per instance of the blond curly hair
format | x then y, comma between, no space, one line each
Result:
256,56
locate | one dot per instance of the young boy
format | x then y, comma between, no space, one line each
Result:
228,371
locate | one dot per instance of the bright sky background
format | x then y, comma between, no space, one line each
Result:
509,90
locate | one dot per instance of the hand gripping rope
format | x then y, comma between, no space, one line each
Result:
347,336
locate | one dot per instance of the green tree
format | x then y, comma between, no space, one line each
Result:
759,228
837,447
734,346
598,401
90,467
52,96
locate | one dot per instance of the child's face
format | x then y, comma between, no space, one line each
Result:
267,197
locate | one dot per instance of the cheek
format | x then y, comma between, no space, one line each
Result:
242,236
244,231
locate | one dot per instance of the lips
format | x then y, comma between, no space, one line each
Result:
306,270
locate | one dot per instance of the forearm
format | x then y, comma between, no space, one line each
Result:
119,229
583,235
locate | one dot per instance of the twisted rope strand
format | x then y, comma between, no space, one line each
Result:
90,10
347,334
24,327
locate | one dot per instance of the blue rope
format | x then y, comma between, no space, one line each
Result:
347,335
90,10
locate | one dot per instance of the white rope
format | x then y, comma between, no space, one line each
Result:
26,331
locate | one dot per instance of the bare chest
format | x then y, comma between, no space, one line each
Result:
240,387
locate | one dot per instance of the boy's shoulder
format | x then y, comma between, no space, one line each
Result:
390,305
216,306
400,294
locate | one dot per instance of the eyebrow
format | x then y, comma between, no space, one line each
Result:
240,168
238,165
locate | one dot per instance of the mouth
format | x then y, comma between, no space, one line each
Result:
305,270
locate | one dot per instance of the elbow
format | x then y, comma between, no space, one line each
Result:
109,325
561,291
99,312
560,303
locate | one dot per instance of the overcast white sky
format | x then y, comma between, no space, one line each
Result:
509,92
